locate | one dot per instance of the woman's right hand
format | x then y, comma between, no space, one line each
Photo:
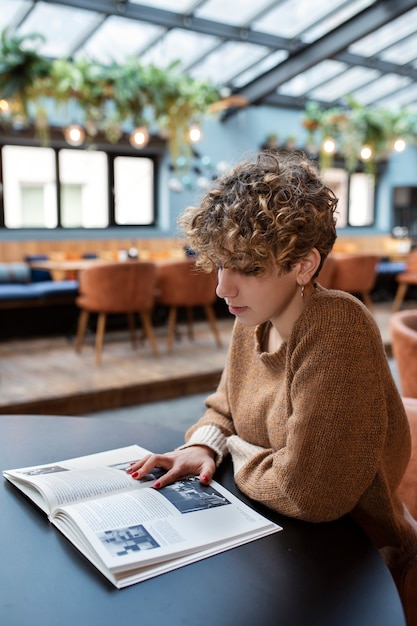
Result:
194,460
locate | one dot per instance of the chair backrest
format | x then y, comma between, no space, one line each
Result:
407,490
118,287
403,328
411,265
182,283
325,277
355,273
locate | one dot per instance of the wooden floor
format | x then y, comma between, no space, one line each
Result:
46,376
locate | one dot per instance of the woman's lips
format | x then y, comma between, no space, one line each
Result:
237,310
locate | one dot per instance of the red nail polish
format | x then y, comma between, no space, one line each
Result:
205,479
135,474
157,485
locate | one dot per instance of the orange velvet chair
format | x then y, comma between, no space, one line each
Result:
181,284
405,279
403,328
356,273
327,272
109,288
405,575
407,490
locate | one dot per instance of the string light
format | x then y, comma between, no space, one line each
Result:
399,145
74,135
366,153
4,106
329,145
139,137
195,133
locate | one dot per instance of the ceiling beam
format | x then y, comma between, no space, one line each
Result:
328,46
168,19
385,67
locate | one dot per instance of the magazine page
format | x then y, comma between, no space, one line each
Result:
130,531
62,482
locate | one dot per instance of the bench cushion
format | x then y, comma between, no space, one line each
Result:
14,273
43,289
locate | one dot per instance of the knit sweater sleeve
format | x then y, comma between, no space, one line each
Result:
216,425
339,391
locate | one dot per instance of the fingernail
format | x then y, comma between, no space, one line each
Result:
205,479
135,474
157,485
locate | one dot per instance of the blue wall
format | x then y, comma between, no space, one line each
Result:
243,133
239,136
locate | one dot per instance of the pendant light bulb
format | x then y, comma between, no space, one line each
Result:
195,133
74,135
366,153
400,145
329,145
139,137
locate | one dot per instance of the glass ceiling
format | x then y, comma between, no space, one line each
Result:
281,52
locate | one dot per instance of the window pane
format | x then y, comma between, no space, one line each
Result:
361,200
134,190
337,179
29,187
83,177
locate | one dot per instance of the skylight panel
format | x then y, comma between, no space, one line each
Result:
335,19
266,64
386,36
62,27
404,98
182,45
117,38
291,17
177,6
227,61
403,52
304,82
12,11
235,12
344,84
390,83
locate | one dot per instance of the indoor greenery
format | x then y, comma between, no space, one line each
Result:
353,127
110,97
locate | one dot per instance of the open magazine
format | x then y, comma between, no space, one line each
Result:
126,528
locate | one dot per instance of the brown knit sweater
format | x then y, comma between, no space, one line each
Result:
317,429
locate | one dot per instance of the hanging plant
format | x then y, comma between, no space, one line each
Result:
354,127
22,68
108,97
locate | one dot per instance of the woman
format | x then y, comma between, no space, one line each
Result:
306,406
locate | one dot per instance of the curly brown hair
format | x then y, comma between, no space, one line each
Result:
272,210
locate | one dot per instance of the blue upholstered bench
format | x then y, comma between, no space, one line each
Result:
22,287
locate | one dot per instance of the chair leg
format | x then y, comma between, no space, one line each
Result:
190,328
172,318
146,320
132,329
399,297
101,327
82,326
213,324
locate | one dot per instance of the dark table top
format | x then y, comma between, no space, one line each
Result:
306,575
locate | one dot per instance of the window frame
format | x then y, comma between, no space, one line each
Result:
154,151
339,164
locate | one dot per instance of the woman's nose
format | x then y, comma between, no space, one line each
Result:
226,287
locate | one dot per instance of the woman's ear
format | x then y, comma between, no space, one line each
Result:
308,266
